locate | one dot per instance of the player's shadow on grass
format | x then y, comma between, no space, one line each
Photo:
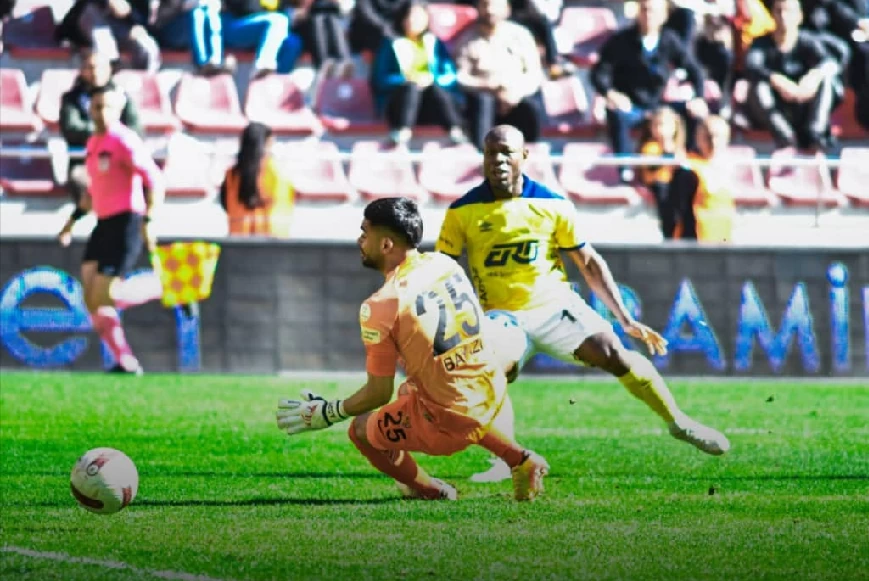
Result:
264,502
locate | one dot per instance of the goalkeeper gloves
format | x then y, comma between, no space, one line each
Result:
311,413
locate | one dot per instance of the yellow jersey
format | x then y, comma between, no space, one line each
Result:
514,246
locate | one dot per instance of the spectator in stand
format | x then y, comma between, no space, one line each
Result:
791,78
663,135
634,68
257,198
848,22
320,25
247,25
76,124
109,27
193,25
372,21
414,79
500,74
541,18
702,190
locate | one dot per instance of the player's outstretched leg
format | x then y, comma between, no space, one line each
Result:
640,377
137,290
527,468
413,481
107,323
504,424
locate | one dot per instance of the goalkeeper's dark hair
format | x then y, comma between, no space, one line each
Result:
398,215
251,151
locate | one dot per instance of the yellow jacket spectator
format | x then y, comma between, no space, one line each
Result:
257,198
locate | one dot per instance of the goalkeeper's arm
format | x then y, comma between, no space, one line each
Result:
314,412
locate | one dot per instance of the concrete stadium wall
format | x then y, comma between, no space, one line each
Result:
281,306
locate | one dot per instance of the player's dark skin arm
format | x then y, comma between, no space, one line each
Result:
376,393
599,278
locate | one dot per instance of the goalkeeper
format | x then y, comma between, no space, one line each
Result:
427,315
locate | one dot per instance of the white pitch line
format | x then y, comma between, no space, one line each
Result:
117,565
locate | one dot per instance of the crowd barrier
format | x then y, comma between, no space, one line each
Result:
290,306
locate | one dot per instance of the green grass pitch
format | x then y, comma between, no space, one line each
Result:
225,495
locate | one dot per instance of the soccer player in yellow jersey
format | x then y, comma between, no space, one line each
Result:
427,315
515,232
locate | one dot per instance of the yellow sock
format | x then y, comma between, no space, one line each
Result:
647,385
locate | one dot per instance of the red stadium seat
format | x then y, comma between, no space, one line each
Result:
539,166
566,107
587,183
53,84
583,30
447,173
155,108
316,171
209,105
803,185
748,189
447,21
22,176
187,168
279,101
381,171
844,120
853,178
347,106
16,113
29,34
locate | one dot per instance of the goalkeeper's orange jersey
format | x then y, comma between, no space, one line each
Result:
427,315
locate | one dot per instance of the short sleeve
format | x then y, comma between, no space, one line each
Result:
141,160
376,320
567,235
451,240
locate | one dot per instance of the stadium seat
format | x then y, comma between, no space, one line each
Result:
209,105
316,171
53,84
677,91
187,168
582,32
844,120
746,178
29,34
802,185
853,177
539,166
347,106
16,112
587,183
566,109
279,101
447,21
155,108
447,173
22,176
381,171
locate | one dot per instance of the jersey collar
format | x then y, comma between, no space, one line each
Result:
527,188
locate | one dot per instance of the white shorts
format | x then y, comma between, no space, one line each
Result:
557,329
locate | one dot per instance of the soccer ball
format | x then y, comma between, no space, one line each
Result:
104,480
510,343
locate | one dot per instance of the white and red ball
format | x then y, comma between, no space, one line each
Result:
104,481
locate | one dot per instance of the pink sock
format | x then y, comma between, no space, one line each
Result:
107,324
138,290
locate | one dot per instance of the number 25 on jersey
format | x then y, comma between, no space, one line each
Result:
458,318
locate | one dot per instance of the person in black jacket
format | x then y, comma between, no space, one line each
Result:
76,125
109,26
632,72
791,82
372,22
847,21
